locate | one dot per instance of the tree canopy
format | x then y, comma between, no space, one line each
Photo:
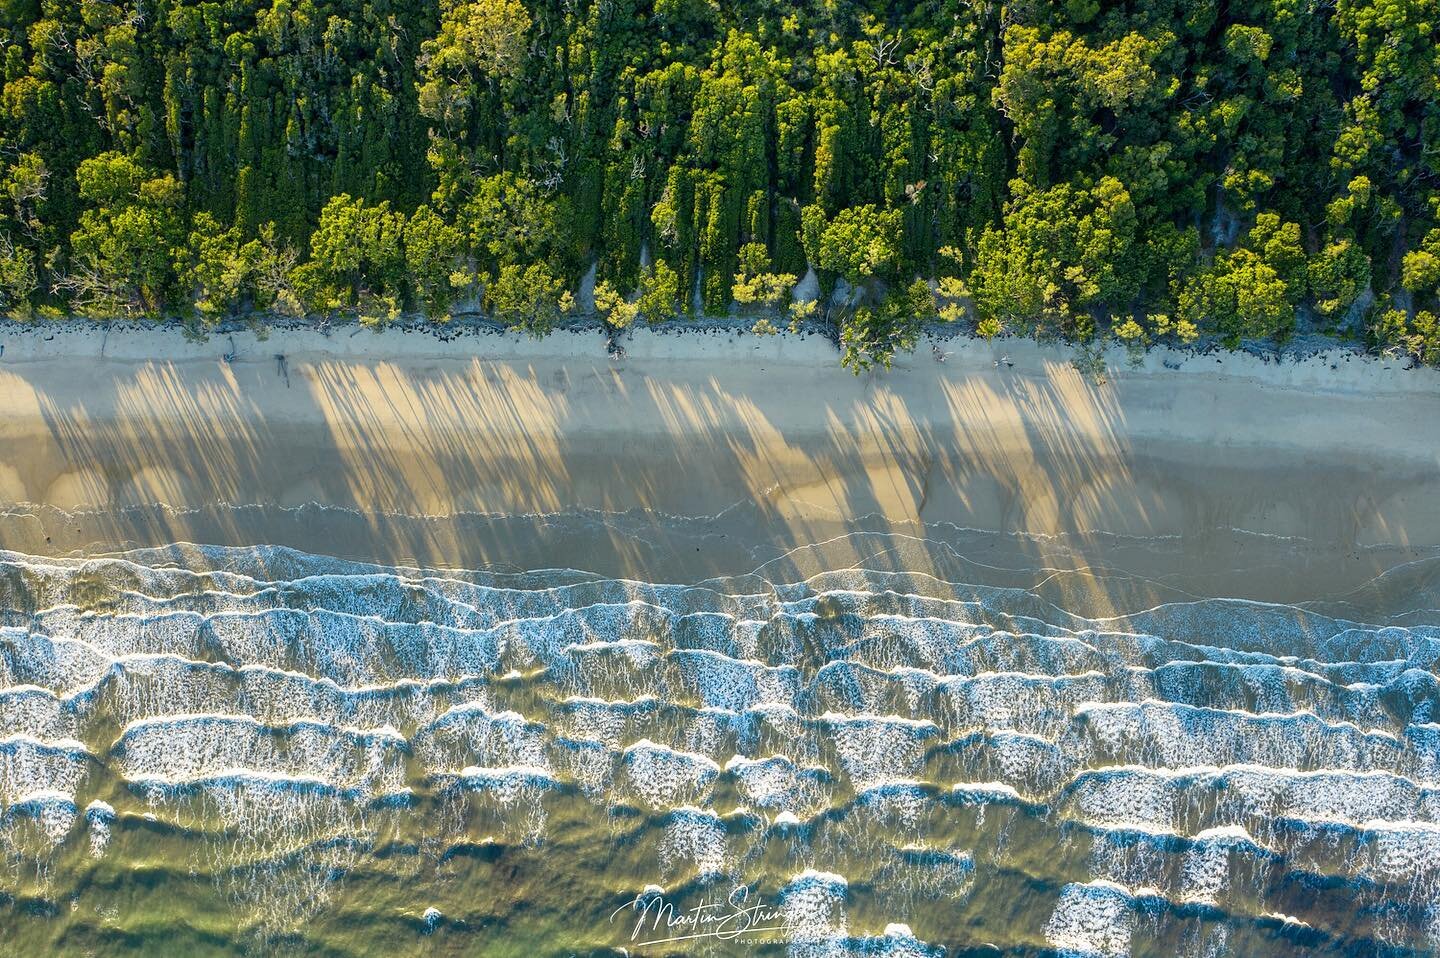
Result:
1245,168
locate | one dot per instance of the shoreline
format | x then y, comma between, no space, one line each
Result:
1300,346
147,436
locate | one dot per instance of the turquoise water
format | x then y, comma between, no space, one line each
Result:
264,751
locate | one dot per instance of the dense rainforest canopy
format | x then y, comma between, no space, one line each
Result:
1142,169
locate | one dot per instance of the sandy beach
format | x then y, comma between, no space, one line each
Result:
975,626
138,437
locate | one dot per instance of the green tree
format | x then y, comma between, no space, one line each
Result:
433,257
122,250
1060,254
528,298
26,186
658,294
510,221
1252,291
870,337
860,243
1239,296
357,259
17,279
1336,276
755,286
1420,270
613,308
479,40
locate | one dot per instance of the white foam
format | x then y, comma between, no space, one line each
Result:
664,777
282,704
813,904
1092,920
696,838
100,817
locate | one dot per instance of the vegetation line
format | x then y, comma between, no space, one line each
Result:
1144,172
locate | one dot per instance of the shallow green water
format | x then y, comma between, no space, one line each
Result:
261,751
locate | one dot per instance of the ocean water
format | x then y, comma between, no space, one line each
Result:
225,750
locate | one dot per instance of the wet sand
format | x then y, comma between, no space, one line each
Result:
399,447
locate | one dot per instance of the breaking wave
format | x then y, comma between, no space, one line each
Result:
861,750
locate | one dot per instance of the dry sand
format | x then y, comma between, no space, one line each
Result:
1338,450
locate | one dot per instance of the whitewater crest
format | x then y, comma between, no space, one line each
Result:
882,759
